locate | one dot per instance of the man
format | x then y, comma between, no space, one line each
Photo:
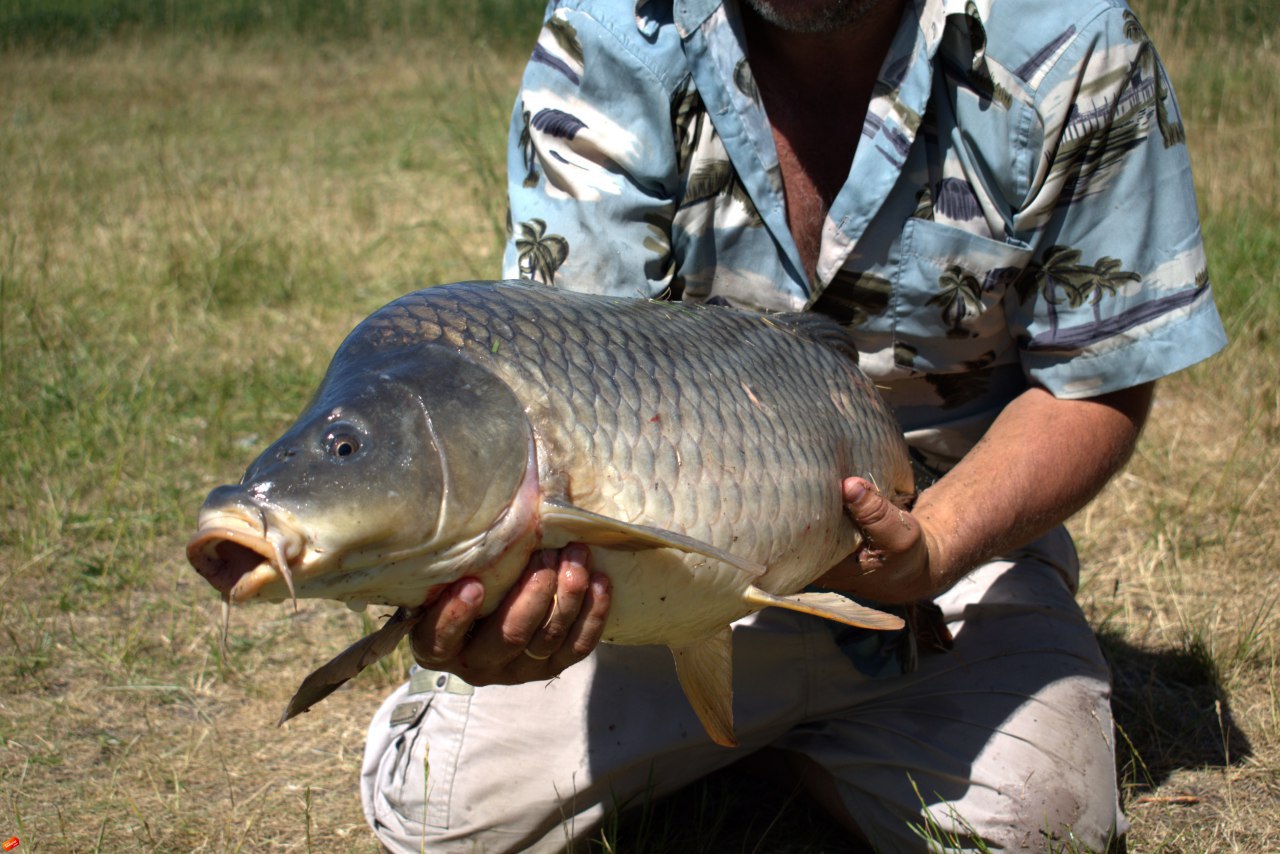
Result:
995,196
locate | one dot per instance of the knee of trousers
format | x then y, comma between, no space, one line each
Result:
1048,780
444,770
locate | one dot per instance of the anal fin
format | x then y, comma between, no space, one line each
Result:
831,606
705,670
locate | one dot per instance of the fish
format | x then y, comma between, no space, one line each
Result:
696,450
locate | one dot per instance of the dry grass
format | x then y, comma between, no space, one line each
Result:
185,233
1181,546
1185,598
187,228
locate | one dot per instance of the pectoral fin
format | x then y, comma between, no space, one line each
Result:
705,669
584,526
832,606
328,678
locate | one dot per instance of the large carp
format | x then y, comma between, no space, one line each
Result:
697,450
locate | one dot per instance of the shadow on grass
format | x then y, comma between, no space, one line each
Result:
736,810
1171,712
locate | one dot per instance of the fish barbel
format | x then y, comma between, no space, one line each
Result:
696,450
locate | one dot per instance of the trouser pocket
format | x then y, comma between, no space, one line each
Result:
411,756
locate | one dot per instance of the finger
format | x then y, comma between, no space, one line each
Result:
887,527
588,630
572,581
440,635
507,632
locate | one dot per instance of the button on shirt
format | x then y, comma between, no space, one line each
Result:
1019,210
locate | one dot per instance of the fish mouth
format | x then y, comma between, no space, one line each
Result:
240,557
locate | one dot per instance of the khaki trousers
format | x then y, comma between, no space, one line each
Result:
1007,738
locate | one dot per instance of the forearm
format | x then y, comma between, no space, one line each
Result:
1040,461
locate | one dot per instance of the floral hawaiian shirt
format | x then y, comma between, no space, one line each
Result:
1019,210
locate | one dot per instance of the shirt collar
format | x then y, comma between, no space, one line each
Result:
692,14
974,13
714,49
689,15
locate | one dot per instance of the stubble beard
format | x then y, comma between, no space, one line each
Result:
812,16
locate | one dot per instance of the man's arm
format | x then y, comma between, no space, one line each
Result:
1040,461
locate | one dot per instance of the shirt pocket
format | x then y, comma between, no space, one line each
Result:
947,293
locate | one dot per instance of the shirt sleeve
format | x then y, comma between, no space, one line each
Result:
591,160
1117,293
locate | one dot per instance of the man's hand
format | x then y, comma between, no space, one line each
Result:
892,564
550,619
1040,461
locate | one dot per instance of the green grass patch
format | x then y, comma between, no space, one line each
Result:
79,24
1206,22
1245,246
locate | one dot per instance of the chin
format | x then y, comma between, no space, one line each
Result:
812,16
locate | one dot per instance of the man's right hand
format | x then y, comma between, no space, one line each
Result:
552,618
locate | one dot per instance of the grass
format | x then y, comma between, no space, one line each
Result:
87,24
192,214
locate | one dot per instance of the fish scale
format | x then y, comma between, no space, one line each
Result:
697,451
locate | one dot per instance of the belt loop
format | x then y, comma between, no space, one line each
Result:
422,681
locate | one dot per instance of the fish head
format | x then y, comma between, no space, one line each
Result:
409,468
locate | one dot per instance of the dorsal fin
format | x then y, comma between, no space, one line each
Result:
818,327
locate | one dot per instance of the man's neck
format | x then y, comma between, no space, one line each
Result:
823,65
816,88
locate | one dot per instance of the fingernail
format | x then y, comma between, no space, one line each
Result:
599,584
576,553
471,592
853,491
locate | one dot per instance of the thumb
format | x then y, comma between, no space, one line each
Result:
885,526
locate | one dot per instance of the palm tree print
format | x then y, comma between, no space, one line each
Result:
566,38
745,81
713,178
687,122
708,176
658,242
924,204
961,299
956,200
1086,162
738,192
539,254
980,74
965,386
1062,278
1107,279
709,180
1172,132
527,151
854,297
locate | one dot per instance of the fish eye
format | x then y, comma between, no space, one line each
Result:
342,442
